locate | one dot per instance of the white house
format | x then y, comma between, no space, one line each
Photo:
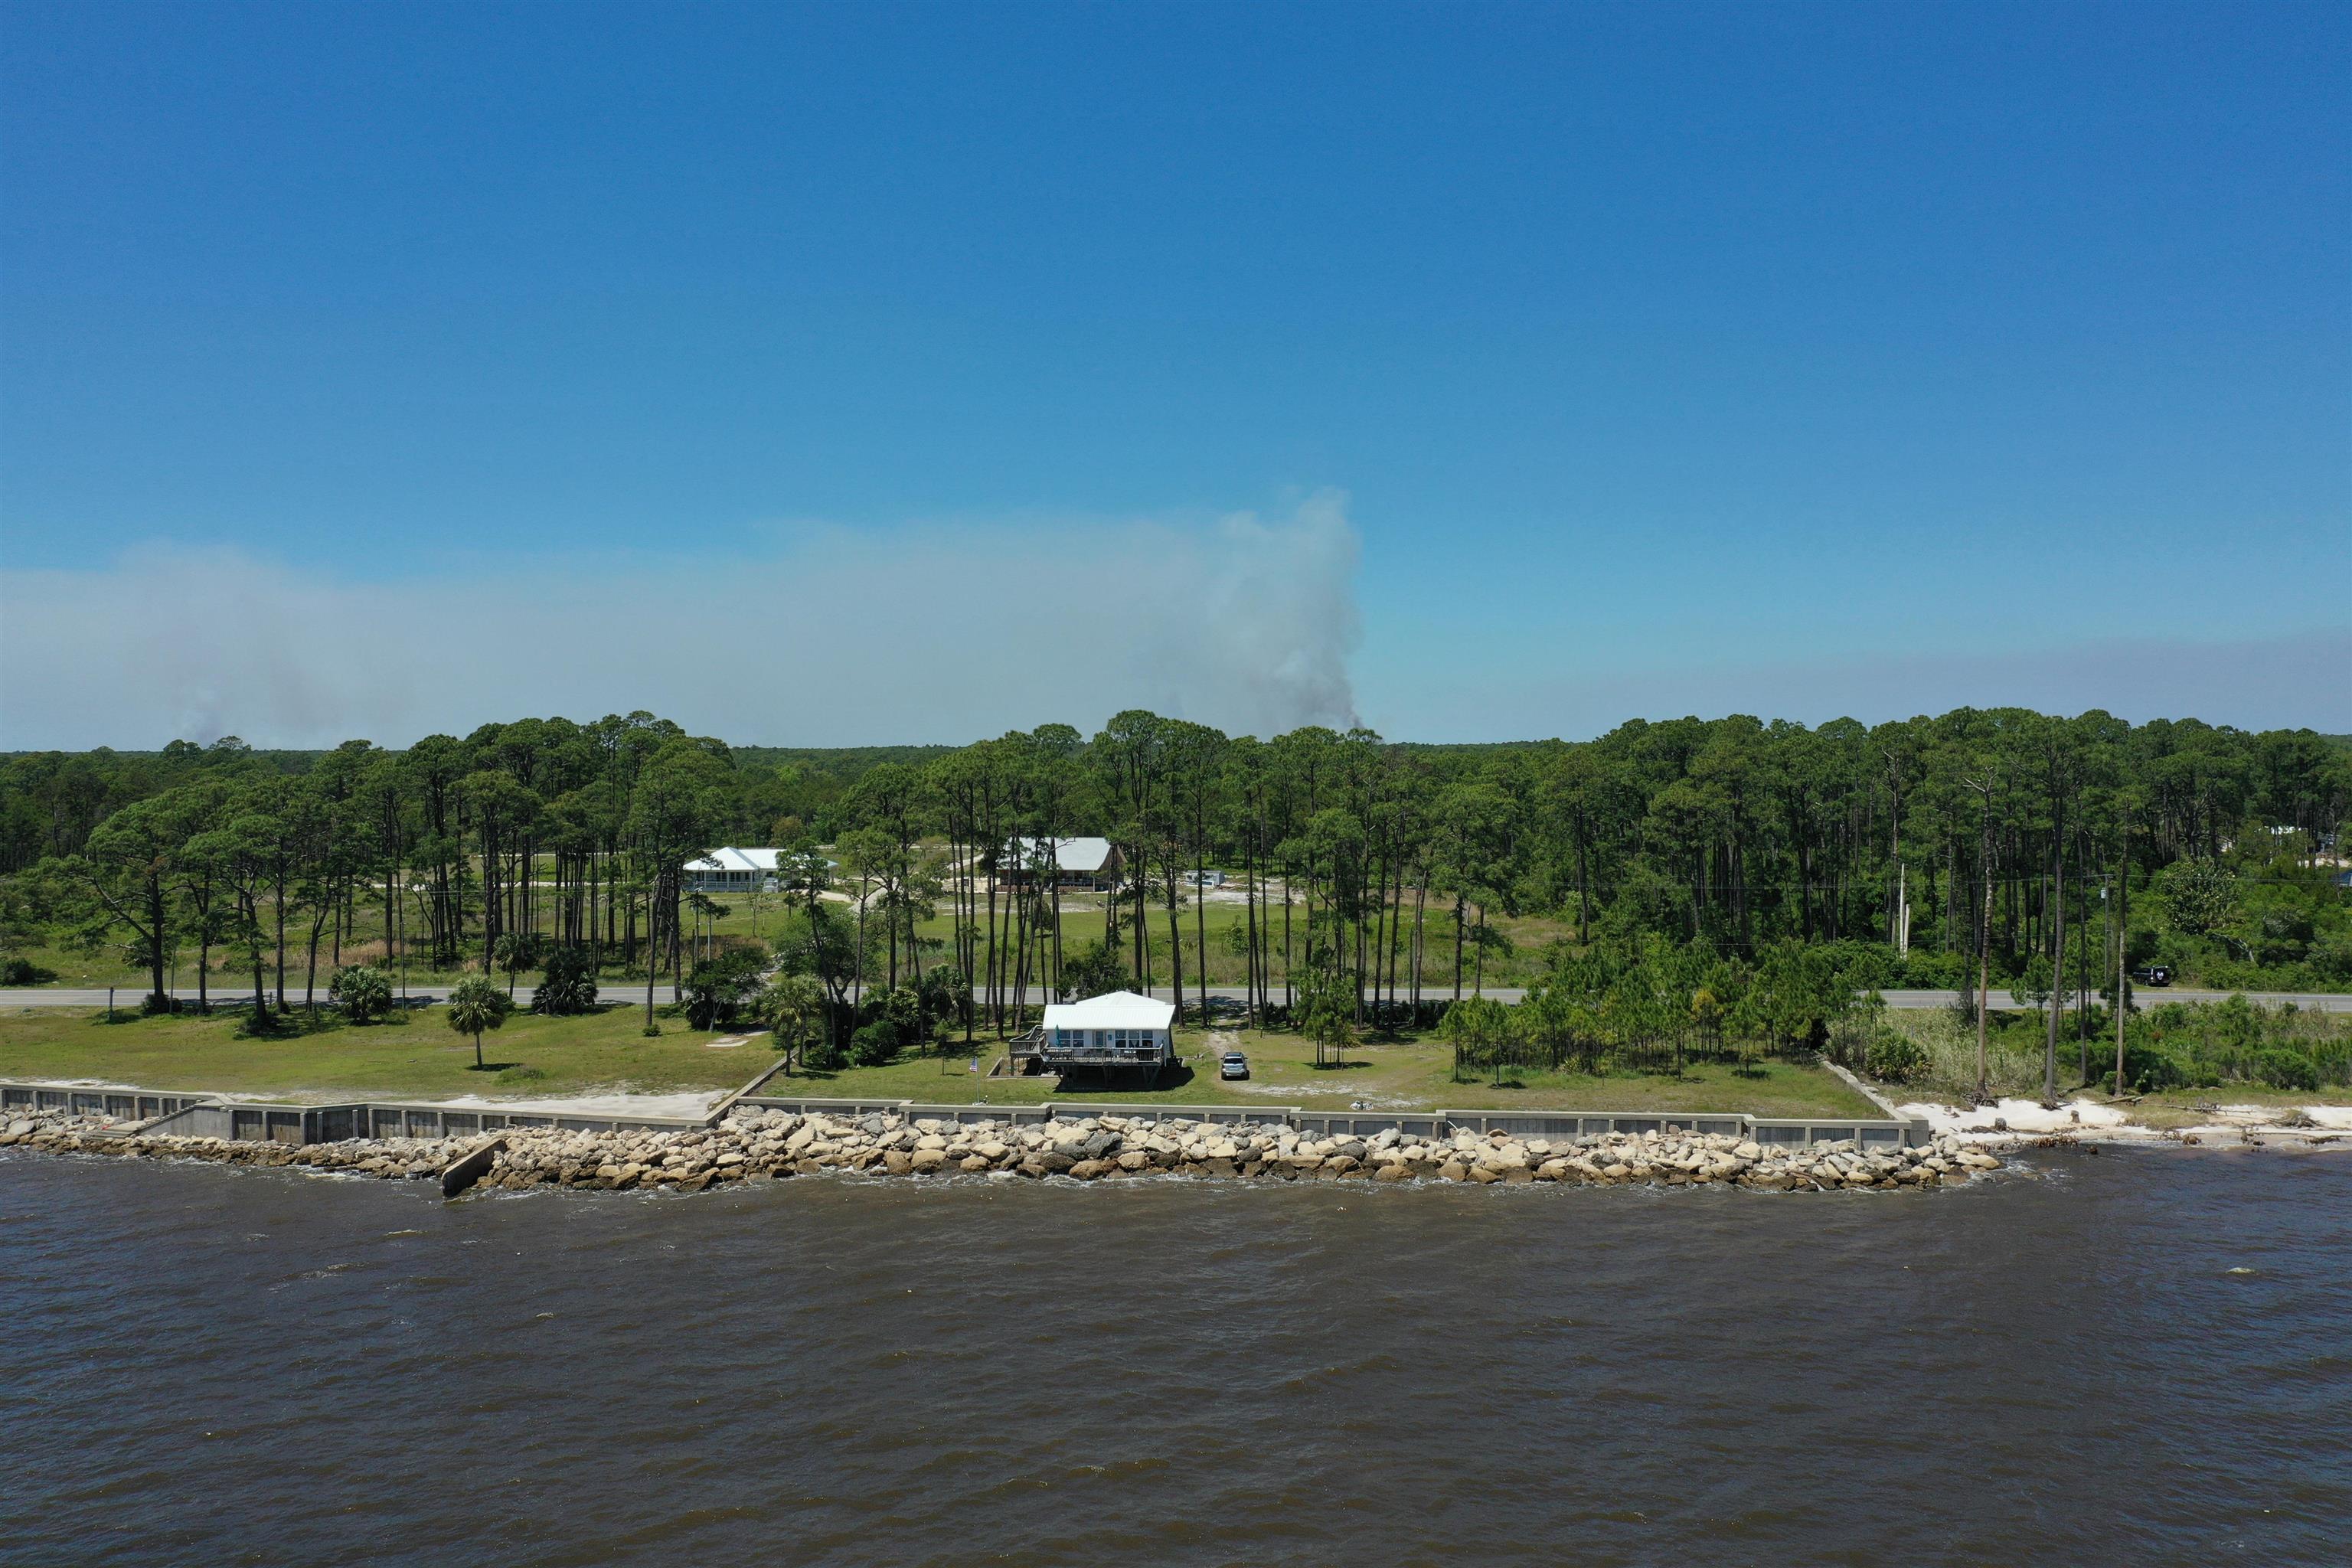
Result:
733,871
1088,863
1119,1029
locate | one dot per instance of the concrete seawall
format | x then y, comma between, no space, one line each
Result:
188,1115
750,1136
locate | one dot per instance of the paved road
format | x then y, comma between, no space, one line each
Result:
128,996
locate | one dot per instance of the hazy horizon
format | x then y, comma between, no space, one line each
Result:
1470,373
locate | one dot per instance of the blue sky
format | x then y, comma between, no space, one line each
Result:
1528,367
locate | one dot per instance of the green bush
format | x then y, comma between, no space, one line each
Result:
873,1044
2147,1071
362,992
821,1056
2282,1068
718,988
567,986
1094,970
1895,1058
1937,971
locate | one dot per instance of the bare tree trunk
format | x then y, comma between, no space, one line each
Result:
1199,910
278,912
1459,911
1984,969
1249,931
2123,952
2057,973
1420,911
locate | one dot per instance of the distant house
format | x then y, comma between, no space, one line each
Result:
1205,879
1115,1032
2344,878
733,871
1088,864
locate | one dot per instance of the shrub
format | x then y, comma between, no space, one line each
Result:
2284,1068
567,986
821,1056
1937,971
2146,1071
718,987
1095,970
20,972
2200,895
1895,1058
262,1024
361,993
873,1044
902,1009
2331,959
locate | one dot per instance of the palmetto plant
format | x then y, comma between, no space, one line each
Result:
475,1005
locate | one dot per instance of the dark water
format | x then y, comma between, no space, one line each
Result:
213,1366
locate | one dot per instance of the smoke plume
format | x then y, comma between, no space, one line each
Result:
839,637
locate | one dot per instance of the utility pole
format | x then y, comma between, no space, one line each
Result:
2123,953
1983,786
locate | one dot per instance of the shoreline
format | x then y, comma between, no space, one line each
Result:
757,1144
2015,1122
2009,1123
688,1142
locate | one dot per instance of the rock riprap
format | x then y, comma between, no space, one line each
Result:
761,1144
58,1132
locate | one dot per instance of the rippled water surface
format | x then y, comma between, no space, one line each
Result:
206,1365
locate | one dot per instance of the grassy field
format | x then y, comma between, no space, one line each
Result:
421,1058
1082,923
1386,1078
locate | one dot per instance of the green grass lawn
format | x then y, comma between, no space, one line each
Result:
1082,923
1406,1075
417,1058
605,1053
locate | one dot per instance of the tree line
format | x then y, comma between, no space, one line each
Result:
1368,877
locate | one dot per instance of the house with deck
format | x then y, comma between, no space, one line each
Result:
1120,1031
1083,865
733,870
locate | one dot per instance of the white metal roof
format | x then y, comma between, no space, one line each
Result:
731,859
1070,854
1114,1010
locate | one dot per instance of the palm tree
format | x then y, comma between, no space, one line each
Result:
792,1005
514,951
475,1005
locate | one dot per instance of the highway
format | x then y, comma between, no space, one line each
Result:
127,997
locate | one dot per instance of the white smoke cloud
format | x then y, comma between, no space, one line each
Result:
2294,681
931,633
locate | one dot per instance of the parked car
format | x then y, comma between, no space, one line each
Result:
2153,974
1232,1064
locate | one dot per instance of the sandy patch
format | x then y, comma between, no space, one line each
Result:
692,1106
2024,1115
2097,1122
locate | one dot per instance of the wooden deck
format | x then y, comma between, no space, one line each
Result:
1029,1053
